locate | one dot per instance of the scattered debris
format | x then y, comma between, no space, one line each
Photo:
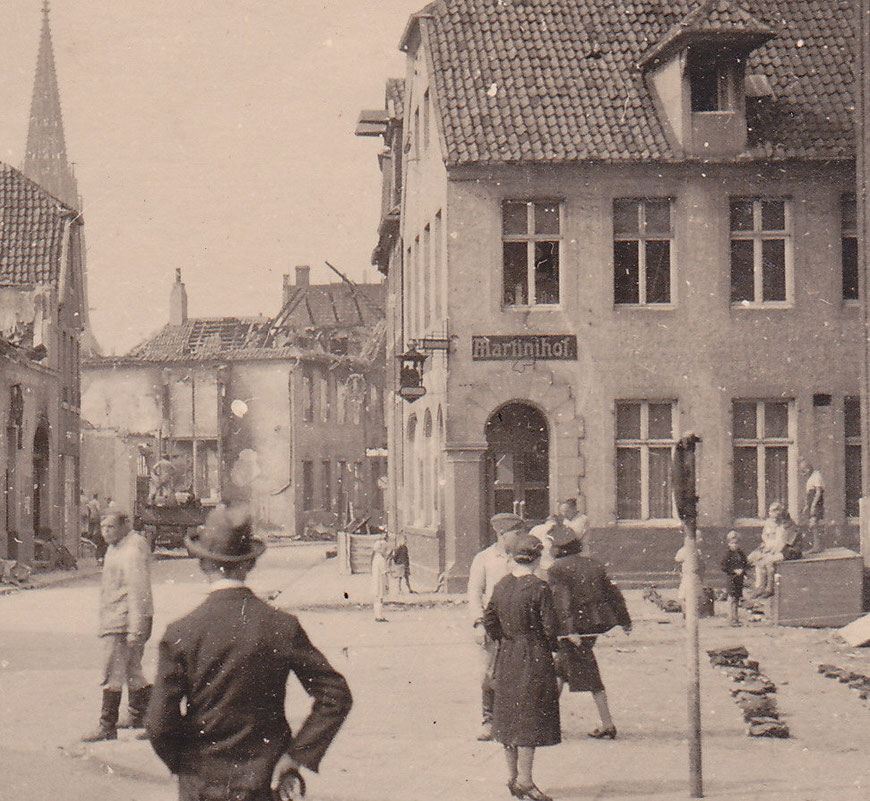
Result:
652,595
856,681
754,692
857,633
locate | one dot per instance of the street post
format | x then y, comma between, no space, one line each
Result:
683,486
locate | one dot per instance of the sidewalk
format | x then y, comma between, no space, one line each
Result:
87,568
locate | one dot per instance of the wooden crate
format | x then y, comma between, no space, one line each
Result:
821,590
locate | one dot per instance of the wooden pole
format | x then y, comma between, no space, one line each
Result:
683,486
696,786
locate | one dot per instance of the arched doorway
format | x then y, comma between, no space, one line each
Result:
41,499
518,462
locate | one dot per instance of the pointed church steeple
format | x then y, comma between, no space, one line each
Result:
45,160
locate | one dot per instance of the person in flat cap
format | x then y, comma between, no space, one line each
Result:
521,618
487,569
228,662
588,603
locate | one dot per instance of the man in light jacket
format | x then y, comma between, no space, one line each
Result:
126,613
489,567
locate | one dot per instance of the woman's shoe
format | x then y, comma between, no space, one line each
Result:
531,792
601,734
512,786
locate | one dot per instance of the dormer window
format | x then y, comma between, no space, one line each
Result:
696,76
710,82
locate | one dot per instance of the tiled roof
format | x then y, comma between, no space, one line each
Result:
710,19
318,321
558,80
395,98
202,338
31,231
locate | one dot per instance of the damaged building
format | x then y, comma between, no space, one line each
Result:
284,413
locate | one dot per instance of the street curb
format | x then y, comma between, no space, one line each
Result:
68,577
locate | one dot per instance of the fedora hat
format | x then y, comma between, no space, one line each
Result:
225,537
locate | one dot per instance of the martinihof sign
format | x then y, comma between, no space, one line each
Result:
534,347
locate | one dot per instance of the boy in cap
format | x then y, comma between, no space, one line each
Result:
488,568
228,661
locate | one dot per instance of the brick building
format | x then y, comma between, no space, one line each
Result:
629,220
283,412
41,323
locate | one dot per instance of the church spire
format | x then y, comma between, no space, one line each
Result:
45,160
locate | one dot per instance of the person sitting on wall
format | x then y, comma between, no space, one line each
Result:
780,540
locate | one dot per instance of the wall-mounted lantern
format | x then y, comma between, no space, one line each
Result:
411,374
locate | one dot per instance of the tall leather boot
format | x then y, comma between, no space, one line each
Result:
108,726
137,707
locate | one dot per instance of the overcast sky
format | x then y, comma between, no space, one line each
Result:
211,135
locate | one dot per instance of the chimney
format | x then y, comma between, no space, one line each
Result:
178,302
302,275
286,290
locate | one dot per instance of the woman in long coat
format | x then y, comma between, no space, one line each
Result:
522,620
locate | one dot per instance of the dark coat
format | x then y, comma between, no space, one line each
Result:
585,598
520,617
583,592
732,561
229,660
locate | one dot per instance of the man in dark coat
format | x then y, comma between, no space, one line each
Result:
229,660
587,603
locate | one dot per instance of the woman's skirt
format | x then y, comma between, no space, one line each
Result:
577,665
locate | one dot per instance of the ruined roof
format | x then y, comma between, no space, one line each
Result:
558,81
318,321
341,305
31,231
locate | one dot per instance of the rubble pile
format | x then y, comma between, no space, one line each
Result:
753,692
652,595
857,681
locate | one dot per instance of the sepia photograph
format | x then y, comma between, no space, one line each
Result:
409,402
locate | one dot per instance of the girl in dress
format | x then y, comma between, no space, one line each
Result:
379,579
521,618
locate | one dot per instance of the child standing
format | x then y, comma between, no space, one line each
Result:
734,565
379,579
401,563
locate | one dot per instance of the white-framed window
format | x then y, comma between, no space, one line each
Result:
761,250
852,456
849,245
642,250
531,244
763,437
644,443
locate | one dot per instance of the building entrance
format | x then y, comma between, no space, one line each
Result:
518,462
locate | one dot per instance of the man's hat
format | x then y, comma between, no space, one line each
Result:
226,537
505,522
526,548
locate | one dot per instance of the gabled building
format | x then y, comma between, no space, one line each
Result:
630,220
284,413
41,312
